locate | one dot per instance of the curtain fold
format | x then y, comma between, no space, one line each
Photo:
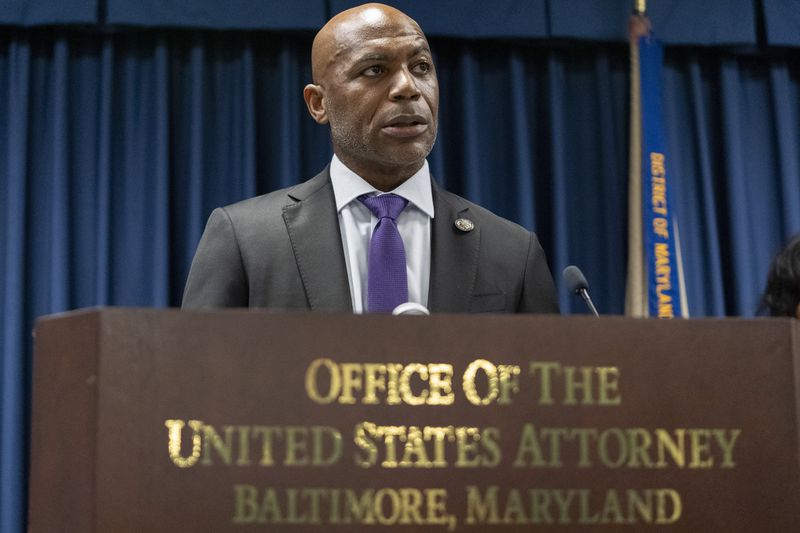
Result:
16,71
558,155
784,99
115,147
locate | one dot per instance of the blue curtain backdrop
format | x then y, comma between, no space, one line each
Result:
116,145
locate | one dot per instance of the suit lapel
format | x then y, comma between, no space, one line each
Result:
313,227
454,255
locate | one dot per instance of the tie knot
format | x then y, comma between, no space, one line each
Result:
385,205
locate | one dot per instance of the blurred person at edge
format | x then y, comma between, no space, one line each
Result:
782,294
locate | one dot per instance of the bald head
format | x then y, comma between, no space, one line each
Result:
356,25
375,86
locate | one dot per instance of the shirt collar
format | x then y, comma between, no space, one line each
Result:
347,186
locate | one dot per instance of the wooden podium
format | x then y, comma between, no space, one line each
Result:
148,420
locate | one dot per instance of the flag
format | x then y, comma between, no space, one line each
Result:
655,285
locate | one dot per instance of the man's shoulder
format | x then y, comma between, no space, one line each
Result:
269,202
273,203
481,216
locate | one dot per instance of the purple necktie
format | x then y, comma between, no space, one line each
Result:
387,286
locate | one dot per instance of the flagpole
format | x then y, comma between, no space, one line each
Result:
636,285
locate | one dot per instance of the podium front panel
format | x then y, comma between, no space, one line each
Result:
148,420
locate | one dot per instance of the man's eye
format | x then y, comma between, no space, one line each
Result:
423,67
373,71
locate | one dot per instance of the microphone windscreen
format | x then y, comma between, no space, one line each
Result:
411,308
575,279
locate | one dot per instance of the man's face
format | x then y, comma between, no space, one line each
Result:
381,95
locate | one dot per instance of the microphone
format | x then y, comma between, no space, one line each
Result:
577,284
411,308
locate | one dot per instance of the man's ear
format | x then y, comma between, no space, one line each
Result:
313,95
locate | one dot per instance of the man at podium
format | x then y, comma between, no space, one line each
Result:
372,230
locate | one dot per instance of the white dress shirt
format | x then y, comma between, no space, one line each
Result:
356,223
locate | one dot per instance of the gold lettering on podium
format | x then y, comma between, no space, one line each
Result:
585,385
494,505
316,446
426,447
613,448
483,384
369,383
502,382
174,428
342,506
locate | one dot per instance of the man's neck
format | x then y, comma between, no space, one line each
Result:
381,177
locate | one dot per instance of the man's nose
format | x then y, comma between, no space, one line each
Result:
404,86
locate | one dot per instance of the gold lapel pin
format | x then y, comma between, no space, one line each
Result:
464,224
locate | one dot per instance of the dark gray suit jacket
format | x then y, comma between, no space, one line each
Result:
283,250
